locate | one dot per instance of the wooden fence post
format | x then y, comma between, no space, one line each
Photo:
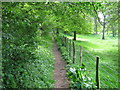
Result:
70,48
65,42
68,45
62,40
74,52
81,55
97,73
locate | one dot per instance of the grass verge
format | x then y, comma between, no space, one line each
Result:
107,50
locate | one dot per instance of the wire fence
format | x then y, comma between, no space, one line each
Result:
108,74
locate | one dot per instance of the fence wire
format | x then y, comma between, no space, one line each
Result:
108,76
112,81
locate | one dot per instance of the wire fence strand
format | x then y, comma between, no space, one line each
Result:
90,60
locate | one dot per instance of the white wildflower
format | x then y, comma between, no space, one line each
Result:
87,85
72,70
83,77
80,69
89,78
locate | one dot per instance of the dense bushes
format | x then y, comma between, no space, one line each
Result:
27,60
31,73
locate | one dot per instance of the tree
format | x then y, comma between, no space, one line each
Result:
74,35
96,25
108,10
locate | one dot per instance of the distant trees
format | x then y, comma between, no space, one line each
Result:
27,18
78,16
73,16
108,13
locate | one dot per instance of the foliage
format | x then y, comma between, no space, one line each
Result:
77,74
106,14
27,63
25,27
30,73
79,78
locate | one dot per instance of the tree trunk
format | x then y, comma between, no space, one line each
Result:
107,32
95,27
113,32
74,35
103,36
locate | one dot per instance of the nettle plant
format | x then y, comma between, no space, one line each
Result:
79,78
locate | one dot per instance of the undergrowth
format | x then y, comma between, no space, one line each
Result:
77,74
34,72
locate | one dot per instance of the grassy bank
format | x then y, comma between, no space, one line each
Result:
107,50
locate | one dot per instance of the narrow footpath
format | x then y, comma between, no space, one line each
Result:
60,72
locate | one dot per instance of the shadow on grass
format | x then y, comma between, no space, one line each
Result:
86,44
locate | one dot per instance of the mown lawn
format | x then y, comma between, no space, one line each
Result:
107,50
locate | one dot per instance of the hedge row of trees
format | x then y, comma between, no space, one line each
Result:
24,24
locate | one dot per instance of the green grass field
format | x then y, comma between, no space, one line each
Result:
107,50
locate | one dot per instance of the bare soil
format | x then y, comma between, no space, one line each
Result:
60,72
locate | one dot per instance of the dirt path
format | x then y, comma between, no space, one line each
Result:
60,72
